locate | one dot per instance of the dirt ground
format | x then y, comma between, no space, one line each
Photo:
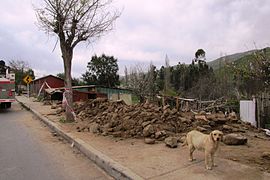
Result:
249,154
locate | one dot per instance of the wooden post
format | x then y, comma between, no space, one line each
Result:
257,111
163,101
262,111
187,106
28,90
177,103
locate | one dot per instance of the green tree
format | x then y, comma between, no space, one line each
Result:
179,73
89,78
75,81
167,80
151,82
252,73
224,83
200,55
73,22
61,75
192,76
160,78
205,77
102,70
198,77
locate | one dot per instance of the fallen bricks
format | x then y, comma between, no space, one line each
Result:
150,121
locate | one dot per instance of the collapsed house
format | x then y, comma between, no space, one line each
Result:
84,93
52,88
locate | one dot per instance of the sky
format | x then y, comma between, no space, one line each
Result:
145,33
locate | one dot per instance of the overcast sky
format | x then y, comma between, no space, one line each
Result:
146,31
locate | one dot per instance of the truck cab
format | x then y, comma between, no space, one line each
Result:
7,86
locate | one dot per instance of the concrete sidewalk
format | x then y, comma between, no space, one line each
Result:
133,159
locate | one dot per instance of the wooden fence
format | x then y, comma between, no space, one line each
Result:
263,110
185,104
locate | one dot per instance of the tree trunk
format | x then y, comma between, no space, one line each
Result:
67,54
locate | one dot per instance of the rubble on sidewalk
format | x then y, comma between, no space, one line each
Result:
234,139
266,155
149,141
150,121
171,142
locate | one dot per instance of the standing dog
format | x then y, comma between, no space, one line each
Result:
208,143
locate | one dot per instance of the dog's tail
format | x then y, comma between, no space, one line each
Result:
185,142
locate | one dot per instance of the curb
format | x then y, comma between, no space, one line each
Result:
110,166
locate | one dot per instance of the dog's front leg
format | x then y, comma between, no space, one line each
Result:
212,160
191,150
207,160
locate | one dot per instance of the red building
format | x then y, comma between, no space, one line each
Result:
39,85
80,93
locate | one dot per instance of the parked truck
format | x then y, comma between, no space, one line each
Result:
7,86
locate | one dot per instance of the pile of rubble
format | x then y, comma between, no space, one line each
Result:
150,121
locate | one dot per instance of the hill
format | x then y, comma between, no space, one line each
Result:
246,59
243,60
220,62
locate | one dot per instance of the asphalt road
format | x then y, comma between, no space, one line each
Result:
29,151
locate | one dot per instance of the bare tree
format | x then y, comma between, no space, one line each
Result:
141,81
126,76
167,84
72,22
151,81
21,69
137,82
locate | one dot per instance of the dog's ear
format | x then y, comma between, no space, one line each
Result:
211,136
221,137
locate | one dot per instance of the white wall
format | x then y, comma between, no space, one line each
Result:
248,111
125,97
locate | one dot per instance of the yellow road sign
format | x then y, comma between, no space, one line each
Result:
27,79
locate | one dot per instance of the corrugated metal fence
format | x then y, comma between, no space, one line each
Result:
248,111
263,110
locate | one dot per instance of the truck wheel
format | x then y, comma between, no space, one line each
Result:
8,105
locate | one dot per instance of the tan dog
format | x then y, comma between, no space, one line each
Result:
208,143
